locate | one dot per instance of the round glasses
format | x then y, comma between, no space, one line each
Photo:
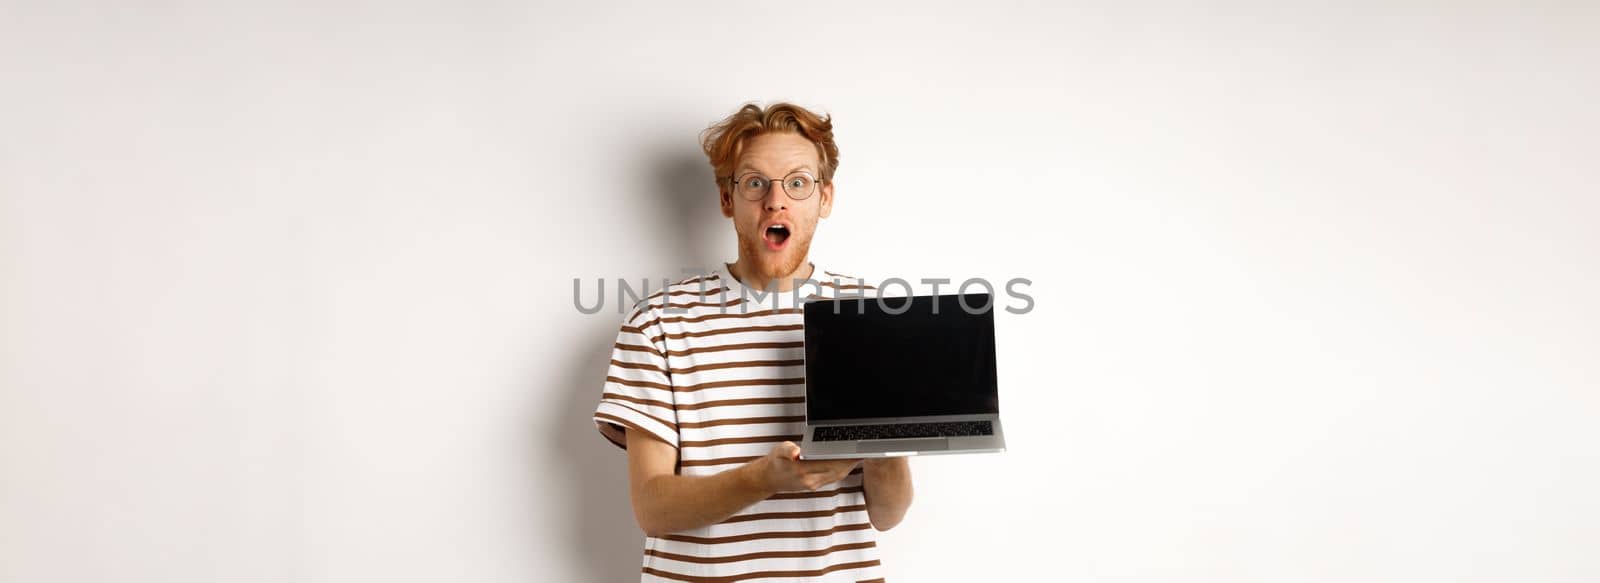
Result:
798,185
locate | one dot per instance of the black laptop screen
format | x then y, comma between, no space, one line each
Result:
866,361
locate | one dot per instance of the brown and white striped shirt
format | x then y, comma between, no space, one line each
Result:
722,380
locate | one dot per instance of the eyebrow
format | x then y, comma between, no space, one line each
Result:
746,169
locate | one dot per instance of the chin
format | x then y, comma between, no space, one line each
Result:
772,266
777,266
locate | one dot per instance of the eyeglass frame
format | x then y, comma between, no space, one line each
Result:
816,183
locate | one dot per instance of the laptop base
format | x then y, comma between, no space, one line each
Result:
811,449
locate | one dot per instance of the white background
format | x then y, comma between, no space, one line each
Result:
288,285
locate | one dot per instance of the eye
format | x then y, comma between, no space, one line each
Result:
755,183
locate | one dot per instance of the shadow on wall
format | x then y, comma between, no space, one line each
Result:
678,213
691,223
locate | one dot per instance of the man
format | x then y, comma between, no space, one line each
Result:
706,387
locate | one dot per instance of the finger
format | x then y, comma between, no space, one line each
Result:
830,466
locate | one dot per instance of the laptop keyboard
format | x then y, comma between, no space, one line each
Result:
903,430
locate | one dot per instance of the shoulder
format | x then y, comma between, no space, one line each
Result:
844,282
694,291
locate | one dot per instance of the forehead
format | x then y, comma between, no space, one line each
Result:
778,153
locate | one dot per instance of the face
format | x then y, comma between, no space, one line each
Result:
775,232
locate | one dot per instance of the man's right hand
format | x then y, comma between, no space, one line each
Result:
666,502
783,470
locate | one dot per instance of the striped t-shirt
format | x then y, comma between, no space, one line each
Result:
720,376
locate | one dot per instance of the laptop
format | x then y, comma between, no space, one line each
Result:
905,376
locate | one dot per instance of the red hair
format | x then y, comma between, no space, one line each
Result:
725,141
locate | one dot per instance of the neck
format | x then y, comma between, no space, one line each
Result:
741,271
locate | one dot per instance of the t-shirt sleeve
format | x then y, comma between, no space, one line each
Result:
637,395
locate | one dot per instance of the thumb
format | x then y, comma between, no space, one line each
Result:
787,450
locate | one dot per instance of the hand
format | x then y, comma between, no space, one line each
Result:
783,470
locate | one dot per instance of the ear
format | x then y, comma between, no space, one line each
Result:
725,200
826,192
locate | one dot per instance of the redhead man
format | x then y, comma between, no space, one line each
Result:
706,387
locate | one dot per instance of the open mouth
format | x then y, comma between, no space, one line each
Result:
776,236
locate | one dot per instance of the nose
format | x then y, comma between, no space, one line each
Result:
776,199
